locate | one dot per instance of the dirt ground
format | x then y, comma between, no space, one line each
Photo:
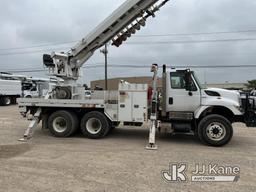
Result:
118,162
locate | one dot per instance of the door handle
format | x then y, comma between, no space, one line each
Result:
190,93
170,101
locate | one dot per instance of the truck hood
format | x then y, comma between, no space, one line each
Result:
230,95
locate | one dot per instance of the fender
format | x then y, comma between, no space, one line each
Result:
201,109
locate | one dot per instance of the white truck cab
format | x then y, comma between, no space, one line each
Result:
207,112
31,92
35,88
185,94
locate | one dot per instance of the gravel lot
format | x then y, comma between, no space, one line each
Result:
116,163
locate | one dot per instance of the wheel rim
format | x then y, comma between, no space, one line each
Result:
62,94
60,124
216,131
93,126
7,101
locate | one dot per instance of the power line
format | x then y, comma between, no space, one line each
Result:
38,69
146,43
216,66
31,52
25,70
140,67
38,46
196,33
184,66
191,41
151,35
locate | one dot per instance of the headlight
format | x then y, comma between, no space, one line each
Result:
239,108
239,99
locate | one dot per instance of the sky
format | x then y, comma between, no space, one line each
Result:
31,28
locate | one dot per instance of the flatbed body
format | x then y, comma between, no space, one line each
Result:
128,104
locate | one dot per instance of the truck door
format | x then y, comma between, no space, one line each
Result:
179,97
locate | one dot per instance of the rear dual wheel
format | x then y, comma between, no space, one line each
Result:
63,123
95,125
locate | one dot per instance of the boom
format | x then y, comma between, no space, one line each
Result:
118,27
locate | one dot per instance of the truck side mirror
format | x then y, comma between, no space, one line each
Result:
188,81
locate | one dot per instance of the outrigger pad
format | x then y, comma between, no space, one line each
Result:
24,139
151,147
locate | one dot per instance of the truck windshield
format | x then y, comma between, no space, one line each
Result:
198,82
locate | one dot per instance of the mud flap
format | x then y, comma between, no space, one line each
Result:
250,111
250,119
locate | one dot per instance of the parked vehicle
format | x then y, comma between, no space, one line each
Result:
184,104
14,86
35,88
10,90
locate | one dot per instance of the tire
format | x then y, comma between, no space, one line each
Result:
111,128
45,120
215,130
95,125
63,123
1,101
63,93
14,100
6,101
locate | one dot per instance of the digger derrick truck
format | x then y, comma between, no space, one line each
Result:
183,105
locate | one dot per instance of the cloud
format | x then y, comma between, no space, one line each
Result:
27,23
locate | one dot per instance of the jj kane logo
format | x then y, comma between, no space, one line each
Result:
176,173
201,173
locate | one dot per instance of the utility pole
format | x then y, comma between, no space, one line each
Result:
205,81
105,52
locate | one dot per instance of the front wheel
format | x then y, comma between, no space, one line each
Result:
215,130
